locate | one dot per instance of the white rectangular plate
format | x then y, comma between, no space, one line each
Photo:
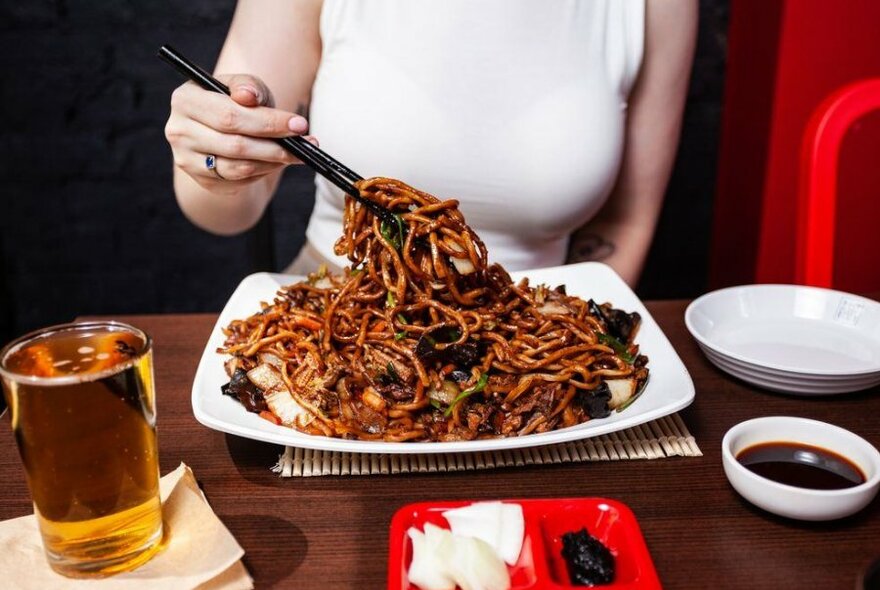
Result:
669,388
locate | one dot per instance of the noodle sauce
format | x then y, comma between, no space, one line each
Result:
801,465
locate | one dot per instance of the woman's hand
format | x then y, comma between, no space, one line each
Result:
236,132
277,41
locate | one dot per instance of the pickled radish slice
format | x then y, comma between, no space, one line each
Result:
442,560
513,527
500,525
428,568
476,566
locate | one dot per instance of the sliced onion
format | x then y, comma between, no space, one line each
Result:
476,566
323,283
285,407
231,365
621,391
271,359
463,265
266,377
554,307
501,525
446,393
428,570
513,528
442,560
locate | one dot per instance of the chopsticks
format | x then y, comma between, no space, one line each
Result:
313,157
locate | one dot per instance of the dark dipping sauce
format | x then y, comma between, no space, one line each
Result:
590,563
801,465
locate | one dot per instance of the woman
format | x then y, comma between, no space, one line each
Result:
555,124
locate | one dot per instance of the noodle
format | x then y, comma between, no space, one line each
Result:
420,339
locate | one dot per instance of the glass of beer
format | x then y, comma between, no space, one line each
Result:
83,410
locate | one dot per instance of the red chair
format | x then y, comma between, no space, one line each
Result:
817,190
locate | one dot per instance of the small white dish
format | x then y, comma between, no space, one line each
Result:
797,502
790,375
797,385
807,330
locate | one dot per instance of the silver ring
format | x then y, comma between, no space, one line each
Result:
211,164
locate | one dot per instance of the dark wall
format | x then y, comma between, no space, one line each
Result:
677,266
89,224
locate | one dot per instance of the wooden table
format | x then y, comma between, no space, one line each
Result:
332,532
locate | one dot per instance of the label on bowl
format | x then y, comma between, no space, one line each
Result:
848,311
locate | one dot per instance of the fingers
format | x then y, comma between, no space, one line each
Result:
218,112
248,90
238,157
237,131
235,170
205,140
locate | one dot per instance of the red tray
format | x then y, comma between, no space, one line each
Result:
541,565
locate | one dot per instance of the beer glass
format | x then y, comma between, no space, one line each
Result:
83,412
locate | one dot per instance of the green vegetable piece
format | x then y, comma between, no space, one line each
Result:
391,301
618,346
392,372
394,234
629,402
400,336
480,386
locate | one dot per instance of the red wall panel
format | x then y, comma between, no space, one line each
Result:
785,57
857,243
753,43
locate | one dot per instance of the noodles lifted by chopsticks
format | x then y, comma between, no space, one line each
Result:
421,339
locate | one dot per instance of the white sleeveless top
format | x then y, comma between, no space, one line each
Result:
514,107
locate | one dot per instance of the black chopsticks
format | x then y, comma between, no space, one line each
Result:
315,158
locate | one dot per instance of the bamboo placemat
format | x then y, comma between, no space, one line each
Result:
664,437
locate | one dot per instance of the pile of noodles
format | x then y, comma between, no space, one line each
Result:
421,339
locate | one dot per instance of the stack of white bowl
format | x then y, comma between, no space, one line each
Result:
791,339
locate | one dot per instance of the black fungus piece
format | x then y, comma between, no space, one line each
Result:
596,311
618,323
595,402
604,362
242,389
464,355
459,376
621,324
388,376
590,563
425,348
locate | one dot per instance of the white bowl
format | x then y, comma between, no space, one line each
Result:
807,331
796,502
796,385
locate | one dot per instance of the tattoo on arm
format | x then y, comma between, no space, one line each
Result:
590,247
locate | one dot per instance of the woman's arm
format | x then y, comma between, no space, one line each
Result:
271,44
621,233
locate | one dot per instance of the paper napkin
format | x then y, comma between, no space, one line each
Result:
200,552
